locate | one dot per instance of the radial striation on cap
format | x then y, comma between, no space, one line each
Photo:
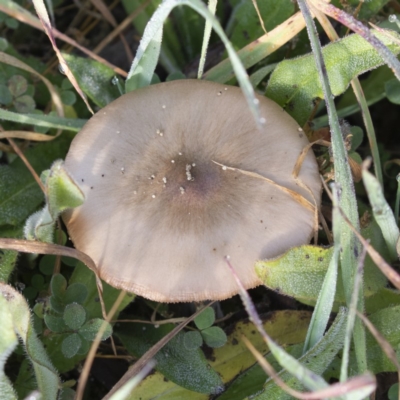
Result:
160,214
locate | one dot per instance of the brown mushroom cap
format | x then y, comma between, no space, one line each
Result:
160,215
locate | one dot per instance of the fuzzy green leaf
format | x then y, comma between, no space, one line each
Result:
62,191
187,368
8,341
294,84
55,324
74,316
71,345
192,340
58,285
77,292
90,329
46,375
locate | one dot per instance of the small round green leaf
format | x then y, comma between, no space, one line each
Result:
68,97
357,138
11,23
192,340
47,264
56,304
90,329
37,281
24,104
58,285
17,85
74,315
214,336
38,310
3,44
55,324
5,95
71,345
76,293
393,393
392,89
174,76
85,346
205,319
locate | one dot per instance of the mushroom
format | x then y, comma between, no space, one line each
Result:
163,170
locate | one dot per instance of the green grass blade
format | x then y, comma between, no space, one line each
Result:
326,297
347,201
48,121
382,212
212,6
152,30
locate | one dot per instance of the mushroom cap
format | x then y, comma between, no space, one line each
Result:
160,215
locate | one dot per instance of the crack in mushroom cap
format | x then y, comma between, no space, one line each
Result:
160,215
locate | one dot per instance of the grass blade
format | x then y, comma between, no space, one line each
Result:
343,177
326,297
155,24
48,121
383,214
212,6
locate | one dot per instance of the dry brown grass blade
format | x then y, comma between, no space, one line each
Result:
10,60
26,135
138,366
295,174
120,28
30,246
296,196
259,16
385,345
92,353
45,20
103,8
334,390
27,163
26,17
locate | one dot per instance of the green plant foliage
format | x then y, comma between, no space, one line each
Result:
247,26
62,192
46,375
84,276
8,341
294,84
71,345
300,271
21,194
90,329
74,316
231,360
192,340
186,367
392,90
95,79
393,393
316,359
214,336
382,213
205,319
